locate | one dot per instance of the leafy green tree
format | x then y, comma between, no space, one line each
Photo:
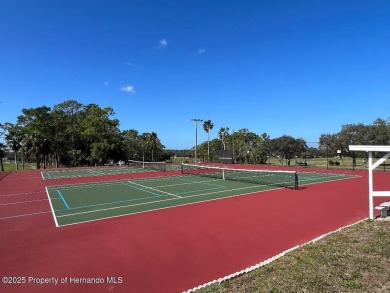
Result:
70,109
14,139
100,134
74,134
215,148
100,151
250,147
352,134
36,143
246,152
37,126
380,132
377,133
130,139
286,147
313,152
328,143
67,118
242,145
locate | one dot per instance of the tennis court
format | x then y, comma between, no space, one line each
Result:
168,224
72,204
109,170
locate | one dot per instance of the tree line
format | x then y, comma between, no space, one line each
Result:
376,133
72,134
249,147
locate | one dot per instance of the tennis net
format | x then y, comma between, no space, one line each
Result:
160,166
287,179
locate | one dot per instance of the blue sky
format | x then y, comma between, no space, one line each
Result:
300,68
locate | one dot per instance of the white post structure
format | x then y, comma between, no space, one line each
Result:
371,167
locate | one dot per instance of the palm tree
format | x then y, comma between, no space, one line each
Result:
152,143
207,126
142,144
223,136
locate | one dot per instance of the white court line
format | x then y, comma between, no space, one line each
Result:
163,200
189,182
21,202
22,193
94,171
164,208
51,207
24,215
109,183
157,190
165,178
328,179
7,178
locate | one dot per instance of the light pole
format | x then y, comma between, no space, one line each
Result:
196,137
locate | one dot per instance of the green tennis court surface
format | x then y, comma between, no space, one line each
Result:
79,203
99,171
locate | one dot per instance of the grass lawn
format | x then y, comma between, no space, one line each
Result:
345,163
11,166
355,259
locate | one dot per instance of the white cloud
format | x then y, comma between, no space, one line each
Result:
128,89
163,44
201,51
132,65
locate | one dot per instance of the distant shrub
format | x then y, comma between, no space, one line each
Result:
337,163
331,162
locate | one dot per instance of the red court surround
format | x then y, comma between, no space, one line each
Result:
169,250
